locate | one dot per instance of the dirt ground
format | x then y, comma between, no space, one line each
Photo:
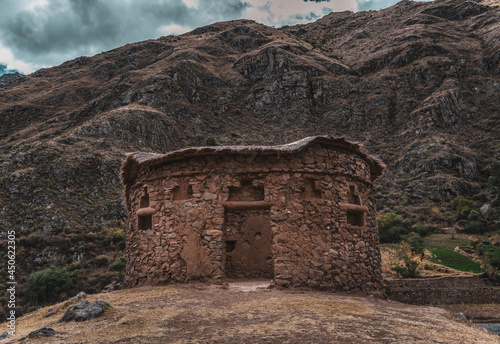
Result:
248,313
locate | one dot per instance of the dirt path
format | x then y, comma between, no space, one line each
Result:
245,313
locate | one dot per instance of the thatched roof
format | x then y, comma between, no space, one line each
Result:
138,160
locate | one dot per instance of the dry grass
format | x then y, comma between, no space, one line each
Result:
209,314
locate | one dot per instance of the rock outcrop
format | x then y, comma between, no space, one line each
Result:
85,311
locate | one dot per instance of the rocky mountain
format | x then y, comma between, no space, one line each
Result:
418,83
8,77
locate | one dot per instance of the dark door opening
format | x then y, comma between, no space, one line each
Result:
248,244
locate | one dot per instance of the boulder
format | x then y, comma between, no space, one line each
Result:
43,332
4,335
85,311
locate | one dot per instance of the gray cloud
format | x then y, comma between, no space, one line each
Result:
64,29
311,16
5,70
326,10
57,30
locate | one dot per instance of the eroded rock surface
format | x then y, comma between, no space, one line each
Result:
85,311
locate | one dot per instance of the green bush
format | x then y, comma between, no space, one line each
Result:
465,206
421,229
409,270
48,285
481,248
493,260
101,261
492,256
416,243
474,215
119,264
473,227
392,227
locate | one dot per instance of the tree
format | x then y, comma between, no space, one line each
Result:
48,285
392,227
465,206
416,243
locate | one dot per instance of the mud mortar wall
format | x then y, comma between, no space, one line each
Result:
305,199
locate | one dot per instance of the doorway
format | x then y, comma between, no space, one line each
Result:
248,248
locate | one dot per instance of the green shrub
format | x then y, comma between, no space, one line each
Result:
465,206
481,248
48,285
473,227
391,219
474,215
392,234
493,260
119,264
416,243
421,229
101,261
409,270
392,227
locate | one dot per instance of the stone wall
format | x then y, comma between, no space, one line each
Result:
306,219
443,290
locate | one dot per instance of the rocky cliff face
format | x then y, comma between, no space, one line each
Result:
417,83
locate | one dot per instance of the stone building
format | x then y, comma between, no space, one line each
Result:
301,214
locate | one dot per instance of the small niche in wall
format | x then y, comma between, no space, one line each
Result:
182,192
311,190
247,192
352,195
230,246
355,218
144,202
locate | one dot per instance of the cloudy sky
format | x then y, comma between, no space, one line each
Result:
43,33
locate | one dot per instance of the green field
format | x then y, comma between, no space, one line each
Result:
442,246
448,257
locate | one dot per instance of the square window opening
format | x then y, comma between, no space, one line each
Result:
145,222
355,218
